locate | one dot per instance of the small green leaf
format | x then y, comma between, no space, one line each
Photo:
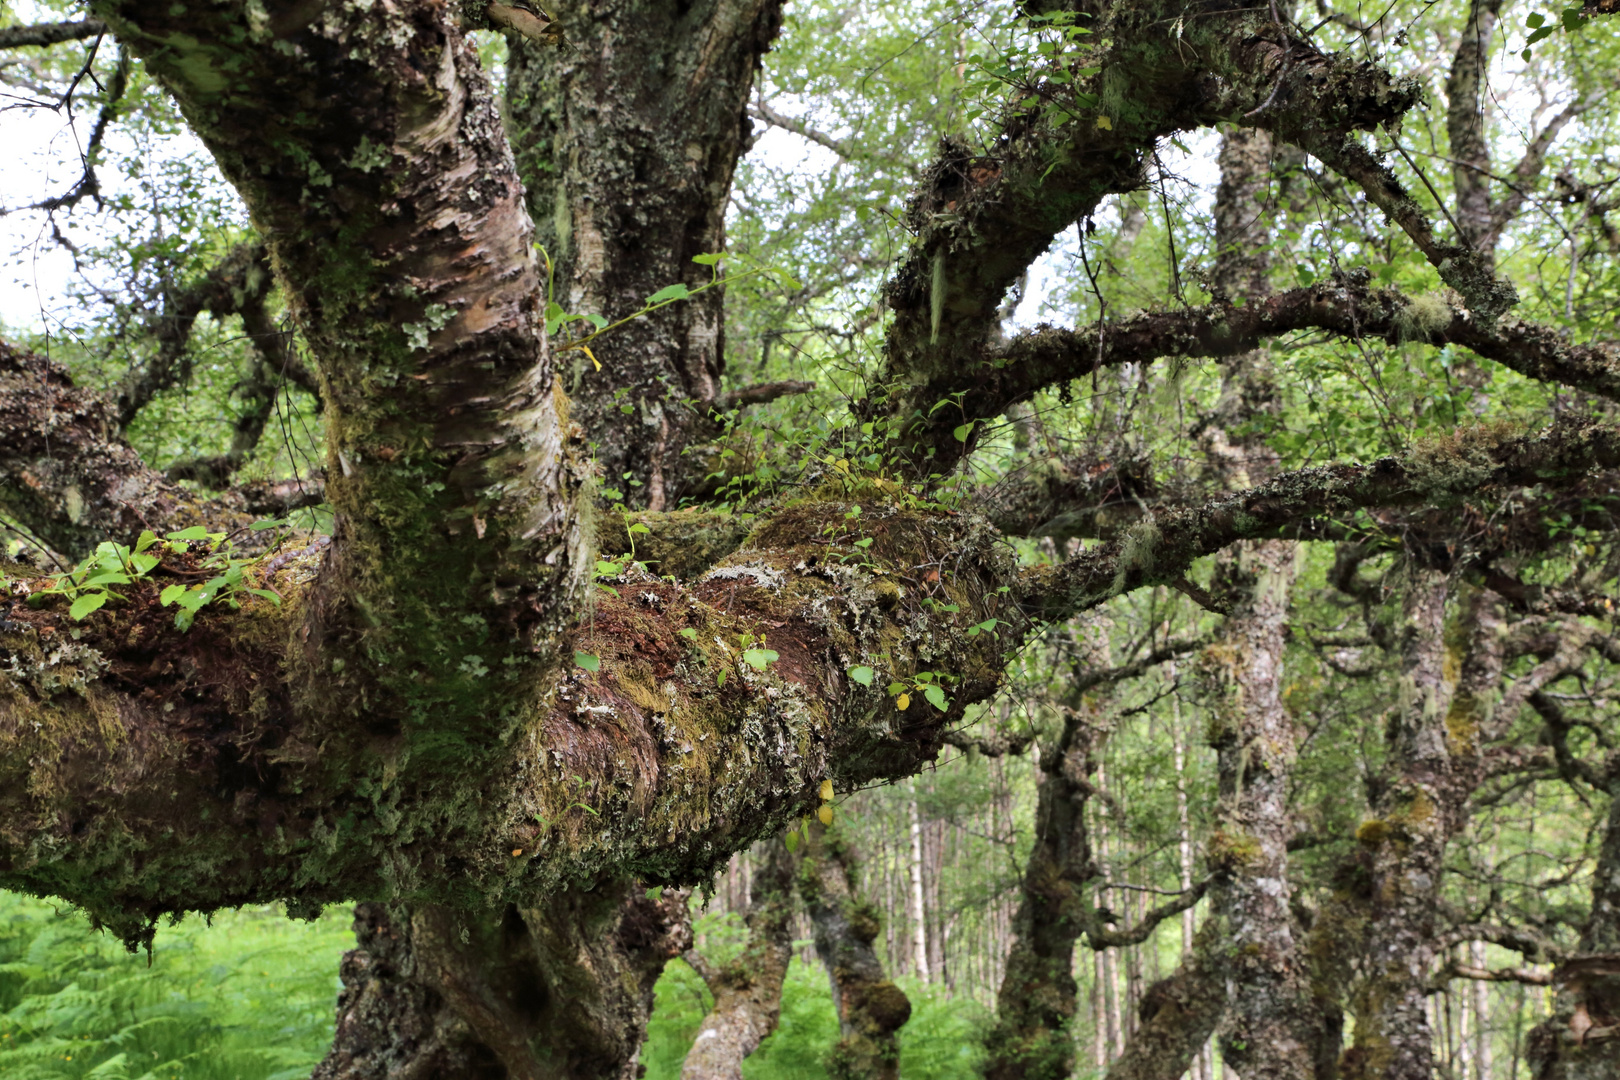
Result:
677,291
862,675
587,661
196,532
866,543
273,597
792,841
720,678
655,892
707,259
170,594
267,523
87,603
638,527
688,632
760,659
147,539
935,696
597,321
962,431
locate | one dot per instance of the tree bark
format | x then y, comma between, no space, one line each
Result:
1465,126
1273,1028
626,144
871,1008
559,992
1449,688
1037,1001
748,989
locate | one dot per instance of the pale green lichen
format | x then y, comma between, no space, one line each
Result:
1138,550
1423,316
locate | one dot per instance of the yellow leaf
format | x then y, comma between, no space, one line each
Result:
1104,124
516,852
826,791
592,355
825,814
903,702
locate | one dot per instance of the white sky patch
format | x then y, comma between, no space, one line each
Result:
1052,277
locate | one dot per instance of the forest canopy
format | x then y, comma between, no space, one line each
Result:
1105,507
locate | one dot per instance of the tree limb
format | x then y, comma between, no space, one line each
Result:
16,37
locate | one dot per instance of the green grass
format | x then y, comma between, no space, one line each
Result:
250,998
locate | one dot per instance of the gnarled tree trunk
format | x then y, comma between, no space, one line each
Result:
871,1008
748,989
554,992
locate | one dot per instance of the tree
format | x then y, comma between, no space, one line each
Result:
458,711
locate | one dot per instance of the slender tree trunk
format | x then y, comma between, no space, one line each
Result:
1032,1037
918,912
748,990
559,993
871,1008
1465,125
1273,1028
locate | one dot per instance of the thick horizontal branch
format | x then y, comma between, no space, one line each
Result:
187,770
760,393
1527,976
1347,306
15,37
1161,547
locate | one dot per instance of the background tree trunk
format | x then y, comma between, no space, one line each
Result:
871,1008
561,992
626,143
748,989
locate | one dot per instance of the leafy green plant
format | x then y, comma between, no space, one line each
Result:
930,684
557,318
90,585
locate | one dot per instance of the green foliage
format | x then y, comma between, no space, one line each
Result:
250,998
89,586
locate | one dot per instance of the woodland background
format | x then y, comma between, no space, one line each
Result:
855,95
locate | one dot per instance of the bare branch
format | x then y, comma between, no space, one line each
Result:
16,37
1161,547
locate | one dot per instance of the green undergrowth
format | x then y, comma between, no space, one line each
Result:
249,998
939,1042
252,996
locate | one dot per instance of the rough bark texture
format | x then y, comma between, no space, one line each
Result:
1465,125
1273,1025
748,989
1178,1014
557,992
871,1008
1273,1028
1035,1008
627,143
1452,670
